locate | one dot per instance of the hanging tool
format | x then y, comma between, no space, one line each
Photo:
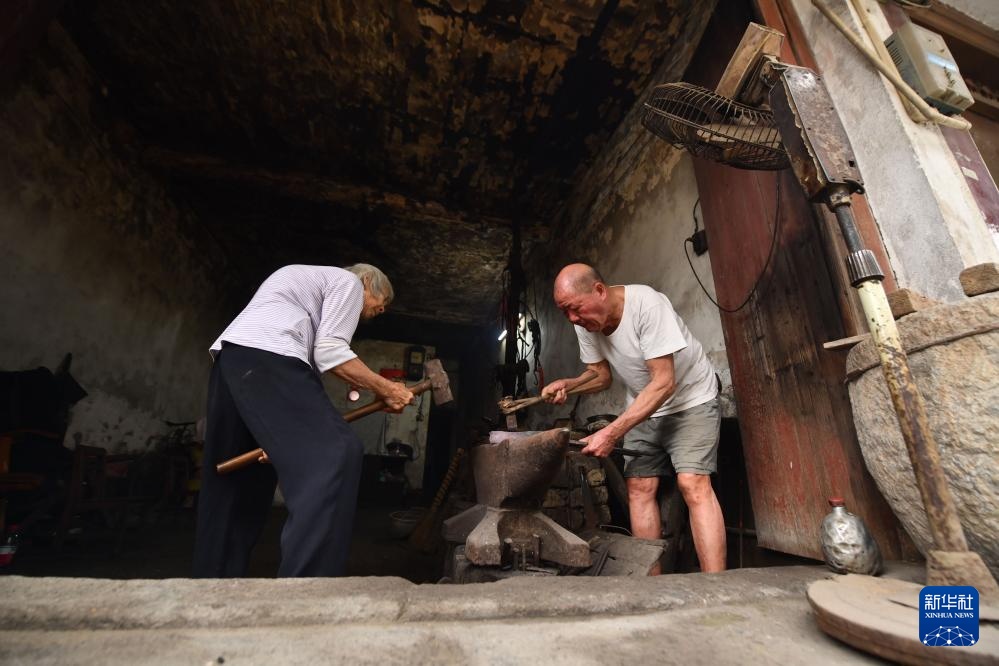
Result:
508,405
436,381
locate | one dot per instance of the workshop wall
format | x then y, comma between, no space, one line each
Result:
930,222
629,216
97,260
380,428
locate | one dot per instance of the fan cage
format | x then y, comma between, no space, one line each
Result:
714,127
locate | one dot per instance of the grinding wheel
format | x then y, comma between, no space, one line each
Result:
881,616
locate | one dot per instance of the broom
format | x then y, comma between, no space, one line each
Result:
423,534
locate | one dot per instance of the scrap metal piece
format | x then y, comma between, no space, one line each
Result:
811,131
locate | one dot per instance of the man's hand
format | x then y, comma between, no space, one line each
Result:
264,457
396,397
600,444
555,392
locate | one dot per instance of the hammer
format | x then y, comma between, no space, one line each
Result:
508,405
436,380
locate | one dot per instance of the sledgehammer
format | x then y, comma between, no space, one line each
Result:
436,380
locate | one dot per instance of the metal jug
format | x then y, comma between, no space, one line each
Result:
847,545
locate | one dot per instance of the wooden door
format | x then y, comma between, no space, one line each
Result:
794,411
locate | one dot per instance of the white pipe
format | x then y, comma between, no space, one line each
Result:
932,114
883,56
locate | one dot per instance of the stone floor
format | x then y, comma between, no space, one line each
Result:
164,549
744,616
90,605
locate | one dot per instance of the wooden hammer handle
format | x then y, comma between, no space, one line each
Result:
232,464
379,405
253,456
422,533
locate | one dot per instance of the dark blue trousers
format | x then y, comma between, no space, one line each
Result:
257,398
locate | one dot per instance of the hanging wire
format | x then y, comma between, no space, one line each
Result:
766,265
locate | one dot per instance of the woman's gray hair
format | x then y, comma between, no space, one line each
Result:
374,280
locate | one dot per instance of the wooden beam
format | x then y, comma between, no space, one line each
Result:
320,189
23,24
949,21
845,343
742,69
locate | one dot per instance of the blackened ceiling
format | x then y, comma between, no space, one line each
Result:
412,134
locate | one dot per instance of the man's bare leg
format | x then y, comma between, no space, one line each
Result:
644,510
706,522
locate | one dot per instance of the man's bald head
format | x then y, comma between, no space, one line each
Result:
585,299
577,279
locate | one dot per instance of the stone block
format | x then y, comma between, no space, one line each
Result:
599,495
906,301
980,279
556,497
953,354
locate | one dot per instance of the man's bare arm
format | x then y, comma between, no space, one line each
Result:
556,391
662,384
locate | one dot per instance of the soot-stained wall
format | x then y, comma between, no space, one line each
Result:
98,260
629,217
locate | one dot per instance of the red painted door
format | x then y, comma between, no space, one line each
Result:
794,413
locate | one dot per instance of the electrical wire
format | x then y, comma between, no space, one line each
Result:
759,279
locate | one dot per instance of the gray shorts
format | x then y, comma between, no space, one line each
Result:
686,441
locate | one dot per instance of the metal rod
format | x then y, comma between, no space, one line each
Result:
944,524
851,235
616,449
948,535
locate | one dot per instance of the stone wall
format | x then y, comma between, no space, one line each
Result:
98,260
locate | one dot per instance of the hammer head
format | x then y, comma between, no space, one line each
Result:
440,385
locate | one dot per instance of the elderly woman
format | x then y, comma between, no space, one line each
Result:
265,391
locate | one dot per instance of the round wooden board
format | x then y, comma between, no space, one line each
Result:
859,611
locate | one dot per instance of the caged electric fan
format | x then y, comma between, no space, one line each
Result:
714,127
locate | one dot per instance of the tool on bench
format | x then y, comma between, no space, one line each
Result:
436,381
508,405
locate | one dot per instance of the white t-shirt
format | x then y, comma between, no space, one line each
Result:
308,312
650,328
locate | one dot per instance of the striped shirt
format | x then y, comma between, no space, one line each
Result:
308,312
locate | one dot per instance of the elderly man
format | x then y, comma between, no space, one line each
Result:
672,397
265,391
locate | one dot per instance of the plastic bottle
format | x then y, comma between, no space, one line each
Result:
847,544
10,544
